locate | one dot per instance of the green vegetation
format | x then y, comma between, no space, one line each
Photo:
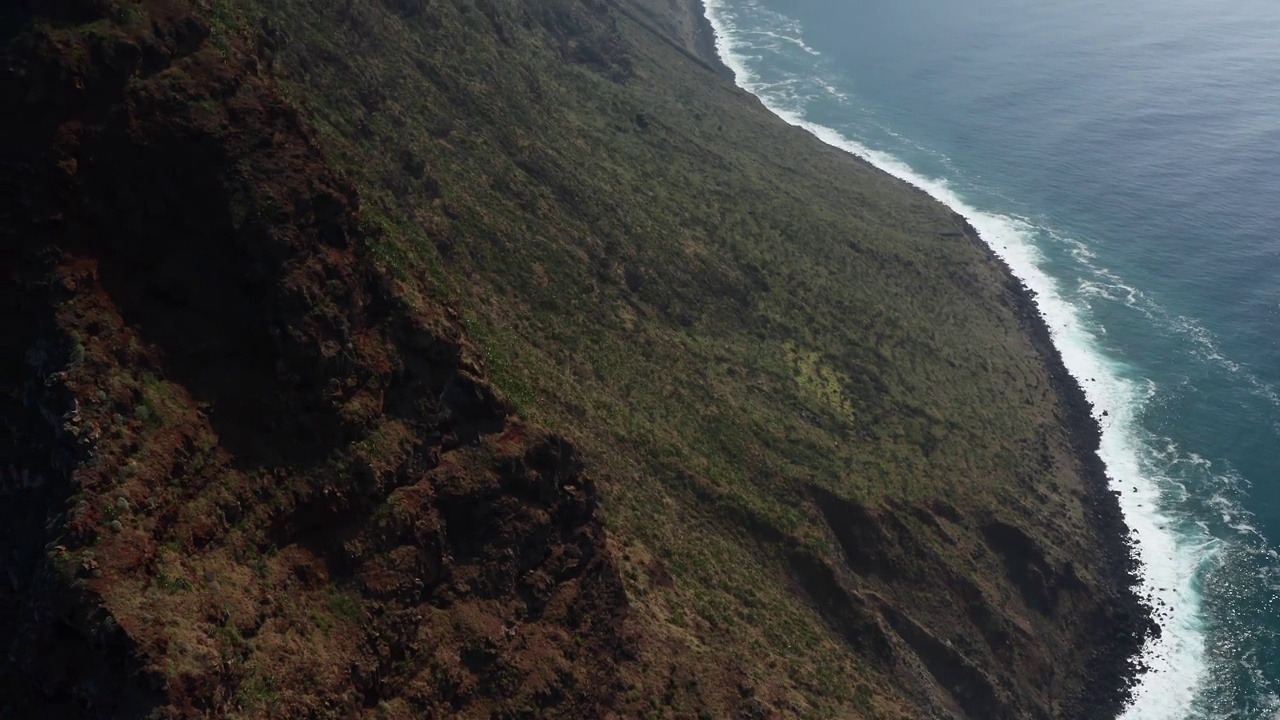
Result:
833,469
720,312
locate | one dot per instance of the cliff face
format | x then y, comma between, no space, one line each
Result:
393,358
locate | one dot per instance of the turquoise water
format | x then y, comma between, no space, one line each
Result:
1124,159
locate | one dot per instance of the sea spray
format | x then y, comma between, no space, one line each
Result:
1172,555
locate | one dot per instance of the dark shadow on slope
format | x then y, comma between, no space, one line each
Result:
232,261
847,614
1024,564
867,548
972,690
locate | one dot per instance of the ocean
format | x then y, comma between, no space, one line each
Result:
1124,160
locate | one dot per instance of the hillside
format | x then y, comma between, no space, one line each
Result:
475,358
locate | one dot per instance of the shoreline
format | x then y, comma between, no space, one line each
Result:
1112,677
1115,671
705,40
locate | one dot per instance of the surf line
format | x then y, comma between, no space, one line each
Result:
1167,562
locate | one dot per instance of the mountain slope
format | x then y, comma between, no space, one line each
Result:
401,357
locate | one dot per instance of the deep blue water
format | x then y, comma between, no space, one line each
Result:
1124,158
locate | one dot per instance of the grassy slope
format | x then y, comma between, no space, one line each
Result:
835,468
722,311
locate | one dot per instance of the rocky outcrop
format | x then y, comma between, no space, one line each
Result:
975,655
254,477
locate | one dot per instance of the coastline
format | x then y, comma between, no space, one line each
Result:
705,39
1122,634
438,547
1113,674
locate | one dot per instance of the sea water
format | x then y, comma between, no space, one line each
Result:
1124,160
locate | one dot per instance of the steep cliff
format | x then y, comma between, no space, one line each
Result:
404,358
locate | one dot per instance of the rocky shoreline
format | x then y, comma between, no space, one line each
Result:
1117,667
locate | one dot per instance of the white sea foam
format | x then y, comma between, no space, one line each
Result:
781,37
1104,283
1171,553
